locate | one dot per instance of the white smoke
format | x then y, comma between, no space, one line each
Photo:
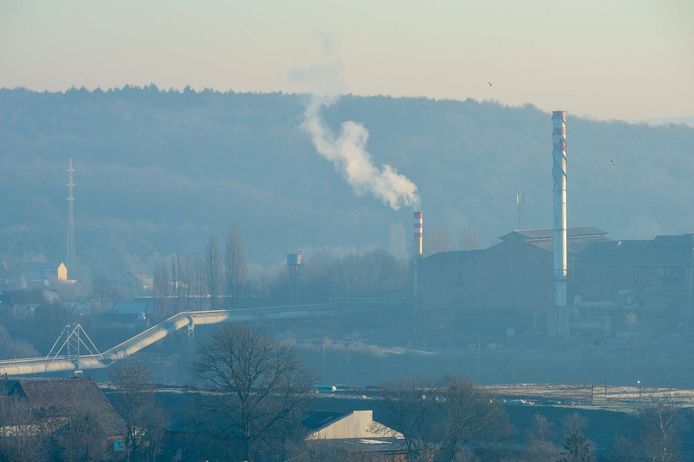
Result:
348,154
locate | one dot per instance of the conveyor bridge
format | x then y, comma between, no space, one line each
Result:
189,320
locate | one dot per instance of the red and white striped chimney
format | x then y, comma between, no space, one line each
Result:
418,234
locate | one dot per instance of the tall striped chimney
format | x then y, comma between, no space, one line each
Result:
417,249
559,206
418,234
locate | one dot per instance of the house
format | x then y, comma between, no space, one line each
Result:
54,403
135,281
23,303
352,434
137,311
38,273
329,425
62,272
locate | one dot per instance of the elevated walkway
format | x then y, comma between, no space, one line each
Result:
184,319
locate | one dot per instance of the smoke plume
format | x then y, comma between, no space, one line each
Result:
348,154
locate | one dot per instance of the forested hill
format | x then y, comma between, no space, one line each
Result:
159,171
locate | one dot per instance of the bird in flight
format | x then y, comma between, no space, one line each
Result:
490,84
611,163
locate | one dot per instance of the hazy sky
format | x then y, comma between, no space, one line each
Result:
627,59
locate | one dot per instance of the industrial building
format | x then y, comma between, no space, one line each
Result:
561,280
651,280
634,279
515,274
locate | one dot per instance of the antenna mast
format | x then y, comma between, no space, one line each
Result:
521,200
70,245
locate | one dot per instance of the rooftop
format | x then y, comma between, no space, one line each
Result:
316,420
548,233
663,250
133,307
30,297
452,256
59,397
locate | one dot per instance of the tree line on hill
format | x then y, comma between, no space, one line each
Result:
152,165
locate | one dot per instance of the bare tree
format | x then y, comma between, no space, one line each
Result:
162,291
199,281
398,241
177,285
576,446
468,238
660,433
625,449
10,347
213,264
472,416
438,240
416,412
235,269
577,449
539,446
105,292
82,438
263,388
135,402
22,435
659,438
573,423
184,284
439,421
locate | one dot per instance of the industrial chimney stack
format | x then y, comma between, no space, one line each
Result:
417,249
559,199
418,234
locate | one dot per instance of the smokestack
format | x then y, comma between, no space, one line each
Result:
417,249
559,199
418,234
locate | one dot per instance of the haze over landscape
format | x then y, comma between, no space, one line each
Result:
396,231
175,166
617,59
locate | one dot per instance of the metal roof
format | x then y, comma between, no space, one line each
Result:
574,245
133,307
663,250
317,420
29,297
548,233
455,255
60,397
578,239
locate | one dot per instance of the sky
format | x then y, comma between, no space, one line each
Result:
607,59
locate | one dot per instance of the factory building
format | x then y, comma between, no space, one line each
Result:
567,280
513,275
652,280
647,281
